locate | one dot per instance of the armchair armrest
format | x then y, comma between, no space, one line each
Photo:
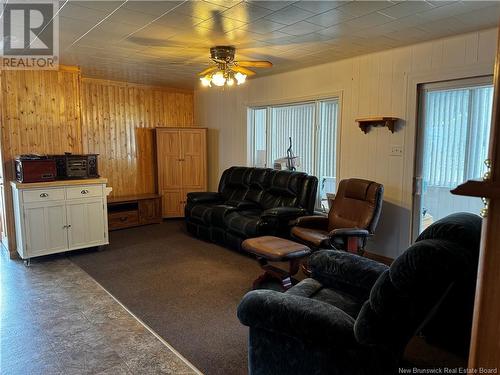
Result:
312,222
303,318
283,213
348,272
349,232
204,197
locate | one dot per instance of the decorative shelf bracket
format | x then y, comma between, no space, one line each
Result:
366,123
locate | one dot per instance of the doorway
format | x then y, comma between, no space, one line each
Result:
452,144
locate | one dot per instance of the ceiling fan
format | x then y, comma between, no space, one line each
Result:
225,69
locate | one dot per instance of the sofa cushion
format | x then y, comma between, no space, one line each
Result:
317,238
245,223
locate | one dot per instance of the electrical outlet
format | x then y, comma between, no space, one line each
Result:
396,150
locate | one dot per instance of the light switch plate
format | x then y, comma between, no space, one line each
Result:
396,150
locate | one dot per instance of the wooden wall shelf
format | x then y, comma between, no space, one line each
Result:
366,123
478,188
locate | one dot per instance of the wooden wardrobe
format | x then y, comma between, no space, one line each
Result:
182,166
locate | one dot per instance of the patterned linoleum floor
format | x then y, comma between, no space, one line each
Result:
55,319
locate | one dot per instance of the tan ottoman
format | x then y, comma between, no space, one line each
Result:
275,249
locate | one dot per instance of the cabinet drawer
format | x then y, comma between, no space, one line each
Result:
43,195
84,191
123,219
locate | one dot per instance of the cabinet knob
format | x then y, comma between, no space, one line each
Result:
84,191
44,195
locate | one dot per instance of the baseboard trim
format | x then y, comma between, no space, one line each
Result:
379,258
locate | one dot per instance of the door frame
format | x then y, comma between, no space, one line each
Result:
411,115
420,131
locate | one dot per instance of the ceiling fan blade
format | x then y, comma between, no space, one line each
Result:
207,70
243,70
255,64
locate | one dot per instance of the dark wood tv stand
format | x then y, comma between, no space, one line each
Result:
133,210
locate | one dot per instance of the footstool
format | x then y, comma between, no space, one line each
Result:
275,249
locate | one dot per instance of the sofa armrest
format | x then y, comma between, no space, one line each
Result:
283,213
243,205
303,318
348,272
312,222
204,197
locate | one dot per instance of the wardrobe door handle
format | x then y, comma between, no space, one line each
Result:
44,195
84,191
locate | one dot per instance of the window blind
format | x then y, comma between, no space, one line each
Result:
456,133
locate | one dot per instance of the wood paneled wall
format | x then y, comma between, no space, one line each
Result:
40,113
58,111
117,123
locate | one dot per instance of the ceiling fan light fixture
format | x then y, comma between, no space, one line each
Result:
218,79
230,81
206,81
240,78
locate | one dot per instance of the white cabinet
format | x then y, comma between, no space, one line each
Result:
52,217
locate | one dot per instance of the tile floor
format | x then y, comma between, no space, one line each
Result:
55,319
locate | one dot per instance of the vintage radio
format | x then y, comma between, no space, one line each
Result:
71,166
35,168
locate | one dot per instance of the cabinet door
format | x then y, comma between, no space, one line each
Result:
172,203
193,147
149,211
45,228
86,223
169,158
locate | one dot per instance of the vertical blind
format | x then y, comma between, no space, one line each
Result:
457,125
313,129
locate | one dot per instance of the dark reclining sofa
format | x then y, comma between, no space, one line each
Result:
250,202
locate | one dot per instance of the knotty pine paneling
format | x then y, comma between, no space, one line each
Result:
117,123
40,113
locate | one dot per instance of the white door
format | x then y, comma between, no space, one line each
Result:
453,136
46,230
85,223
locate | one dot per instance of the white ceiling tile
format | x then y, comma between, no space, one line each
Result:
221,24
245,12
290,15
131,17
318,6
301,28
330,18
78,12
154,8
370,20
360,8
201,9
173,48
262,26
407,8
271,5
104,6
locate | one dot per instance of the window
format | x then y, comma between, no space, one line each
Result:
312,126
453,137
456,134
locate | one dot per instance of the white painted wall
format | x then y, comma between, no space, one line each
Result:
383,83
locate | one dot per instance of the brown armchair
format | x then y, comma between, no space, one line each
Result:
352,218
